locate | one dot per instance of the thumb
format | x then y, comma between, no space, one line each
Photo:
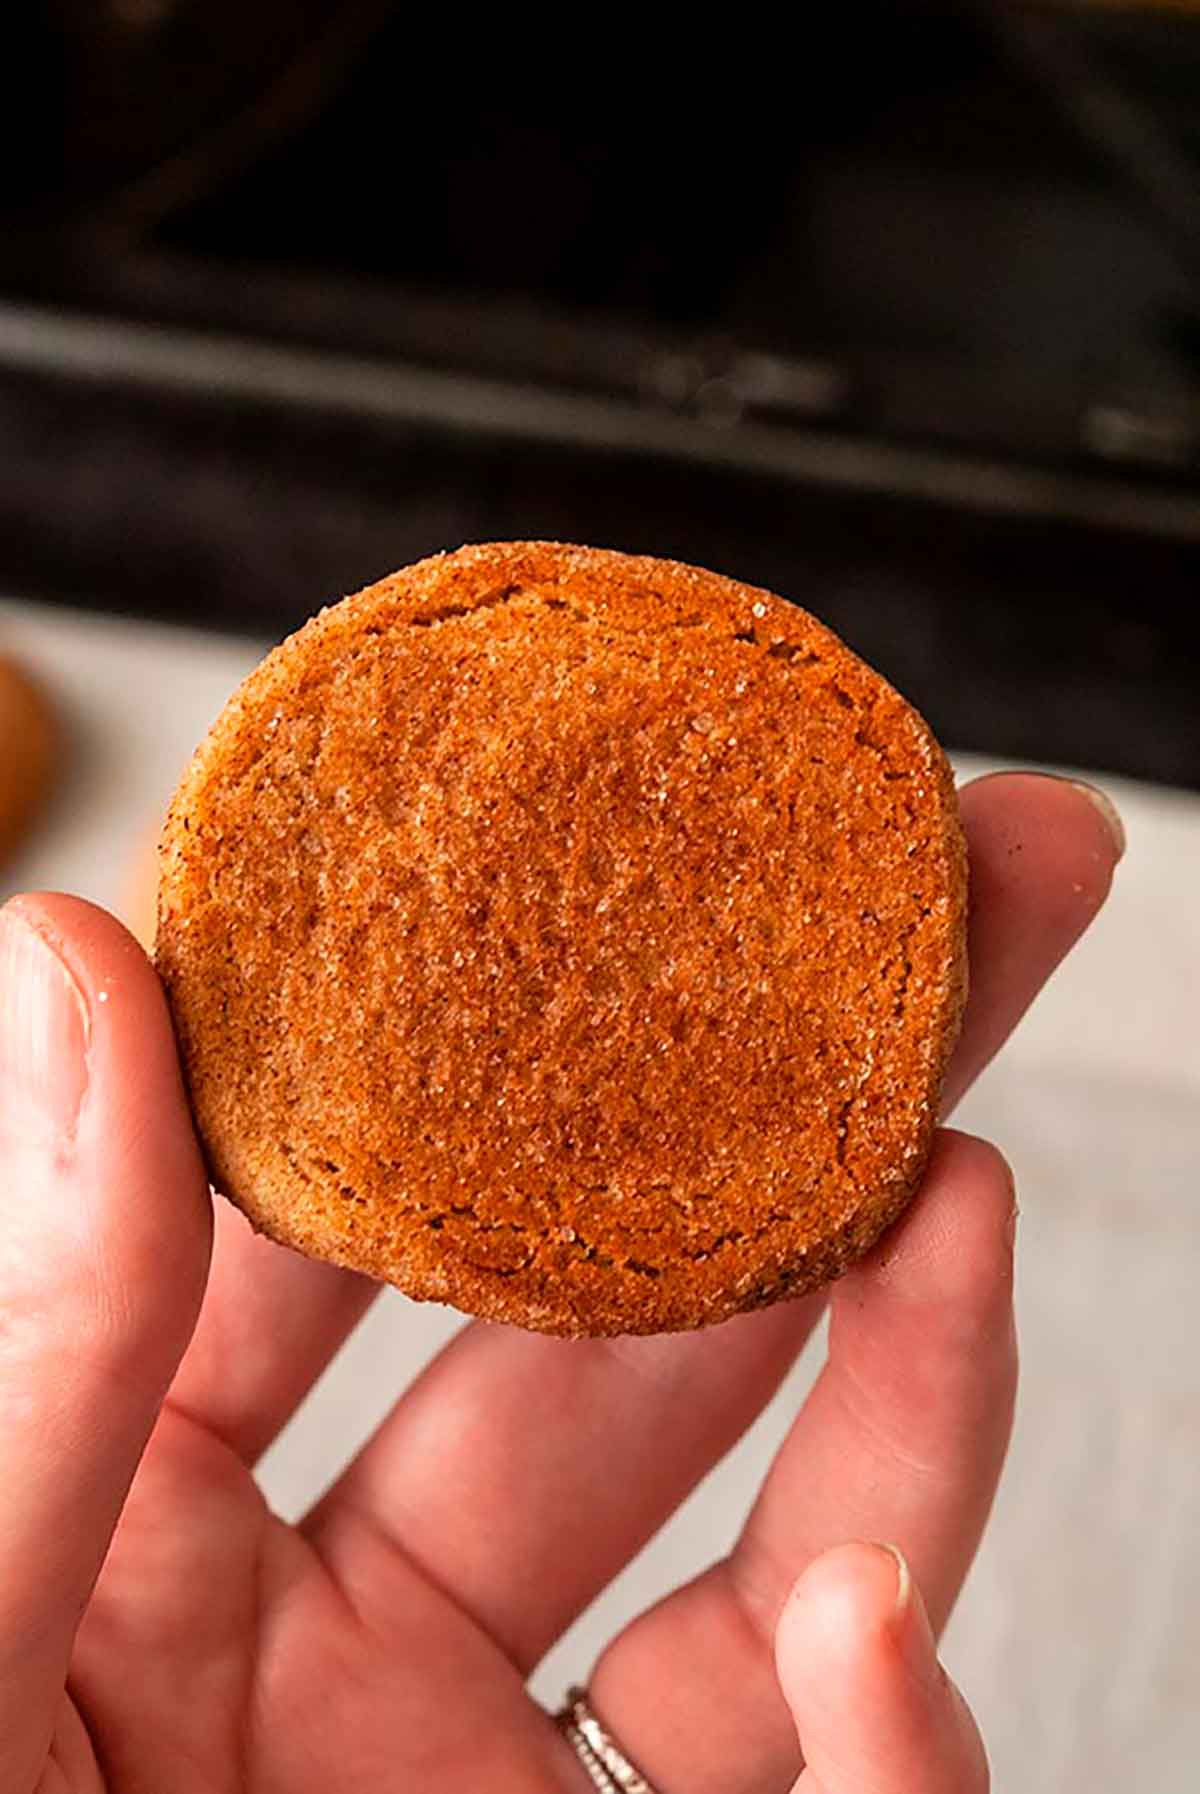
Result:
857,1662
104,1240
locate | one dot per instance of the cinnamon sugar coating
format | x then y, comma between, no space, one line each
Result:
574,937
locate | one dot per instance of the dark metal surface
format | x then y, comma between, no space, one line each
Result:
879,326
1020,636
132,108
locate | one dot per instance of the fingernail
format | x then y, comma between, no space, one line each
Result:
44,1031
1101,801
903,1577
910,1623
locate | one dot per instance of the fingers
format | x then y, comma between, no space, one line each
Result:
1042,854
857,1663
1041,860
910,1418
104,1240
902,1437
270,1323
522,1472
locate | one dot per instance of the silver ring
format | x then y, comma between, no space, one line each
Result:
603,1760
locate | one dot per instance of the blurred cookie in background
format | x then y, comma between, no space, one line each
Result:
29,751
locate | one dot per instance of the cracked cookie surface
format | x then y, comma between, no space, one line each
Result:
574,937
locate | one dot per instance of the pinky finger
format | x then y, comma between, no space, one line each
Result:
875,1712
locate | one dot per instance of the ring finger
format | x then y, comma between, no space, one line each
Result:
901,1438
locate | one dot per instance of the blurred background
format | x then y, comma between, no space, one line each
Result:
903,322
897,313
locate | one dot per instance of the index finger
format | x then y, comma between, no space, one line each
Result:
1041,865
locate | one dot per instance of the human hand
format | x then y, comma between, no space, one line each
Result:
384,1642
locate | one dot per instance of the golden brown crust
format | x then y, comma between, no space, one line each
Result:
139,906
27,752
571,936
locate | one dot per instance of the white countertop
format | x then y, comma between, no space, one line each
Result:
1078,1638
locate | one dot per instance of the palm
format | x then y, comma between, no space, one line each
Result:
385,1643
221,1653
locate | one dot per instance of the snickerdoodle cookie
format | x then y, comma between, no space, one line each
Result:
571,936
